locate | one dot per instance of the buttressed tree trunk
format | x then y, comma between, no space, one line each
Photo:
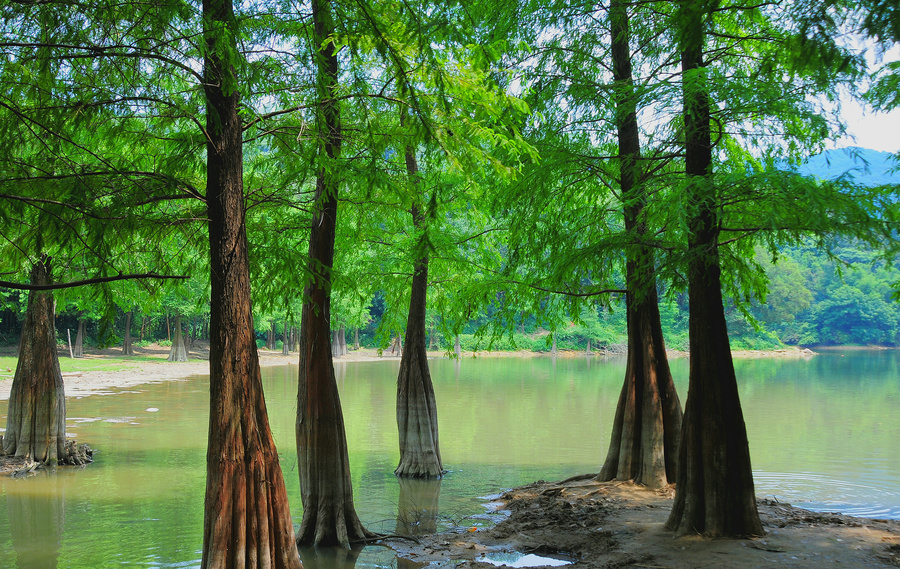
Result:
127,349
646,430
714,492
178,353
420,454
36,422
329,517
247,520
79,339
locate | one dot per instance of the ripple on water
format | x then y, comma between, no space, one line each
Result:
821,493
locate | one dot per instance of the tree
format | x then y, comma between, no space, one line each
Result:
647,424
714,492
247,520
36,424
420,454
329,517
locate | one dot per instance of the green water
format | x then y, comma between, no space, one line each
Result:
823,434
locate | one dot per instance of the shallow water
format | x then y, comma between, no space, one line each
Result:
822,433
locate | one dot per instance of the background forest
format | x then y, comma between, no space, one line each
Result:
812,299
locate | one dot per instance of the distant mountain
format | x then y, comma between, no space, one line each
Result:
864,166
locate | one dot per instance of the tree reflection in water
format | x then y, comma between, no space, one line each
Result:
417,508
37,514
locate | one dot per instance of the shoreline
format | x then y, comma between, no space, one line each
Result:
599,525
152,367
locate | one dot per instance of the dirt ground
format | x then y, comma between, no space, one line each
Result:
606,525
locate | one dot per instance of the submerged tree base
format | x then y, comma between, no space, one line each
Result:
75,455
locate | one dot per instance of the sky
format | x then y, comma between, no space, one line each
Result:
878,131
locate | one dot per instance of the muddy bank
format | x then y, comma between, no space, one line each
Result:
605,525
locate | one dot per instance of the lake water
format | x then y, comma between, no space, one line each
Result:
823,435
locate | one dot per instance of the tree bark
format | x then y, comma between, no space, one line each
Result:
79,339
247,521
177,352
286,341
127,349
647,424
36,421
714,493
456,348
356,339
329,517
420,454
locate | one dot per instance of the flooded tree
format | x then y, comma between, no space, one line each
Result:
247,521
420,454
36,423
648,417
329,517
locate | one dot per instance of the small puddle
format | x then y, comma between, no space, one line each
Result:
515,559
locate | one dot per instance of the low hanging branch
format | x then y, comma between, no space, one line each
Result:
57,286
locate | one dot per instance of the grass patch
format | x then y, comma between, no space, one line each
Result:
69,365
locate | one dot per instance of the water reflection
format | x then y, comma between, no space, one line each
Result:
37,518
329,557
417,508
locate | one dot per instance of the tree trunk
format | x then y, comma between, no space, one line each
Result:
286,340
335,345
420,454
342,340
247,520
356,339
127,349
588,351
714,493
79,339
456,348
329,517
647,424
553,350
178,353
36,421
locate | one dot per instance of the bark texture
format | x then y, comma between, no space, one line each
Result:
714,492
329,517
127,348
646,431
36,421
247,520
420,454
